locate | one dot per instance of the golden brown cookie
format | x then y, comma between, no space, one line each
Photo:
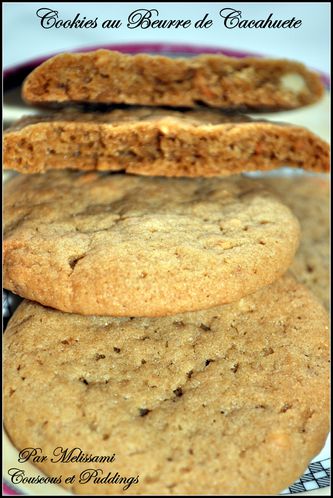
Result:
308,198
123,245
232,400
160,142
110,77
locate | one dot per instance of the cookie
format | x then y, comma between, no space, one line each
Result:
105,76
230,400
308,198
152,141
124,245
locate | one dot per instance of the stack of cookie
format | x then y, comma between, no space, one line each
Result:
162,326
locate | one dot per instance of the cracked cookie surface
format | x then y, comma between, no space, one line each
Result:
105,76
197,403
122,245
160,142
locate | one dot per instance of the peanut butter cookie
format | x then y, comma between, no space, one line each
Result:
230,400
105,76
160,142
123,245
308,198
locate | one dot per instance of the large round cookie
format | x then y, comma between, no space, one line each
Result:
308,198
230,400
95,243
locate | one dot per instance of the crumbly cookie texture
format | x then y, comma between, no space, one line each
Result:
125,245
160,142
105,76
230,400
308,198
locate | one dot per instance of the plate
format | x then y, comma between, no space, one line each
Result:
316,477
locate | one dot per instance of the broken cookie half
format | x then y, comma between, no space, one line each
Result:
156,141
109,77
